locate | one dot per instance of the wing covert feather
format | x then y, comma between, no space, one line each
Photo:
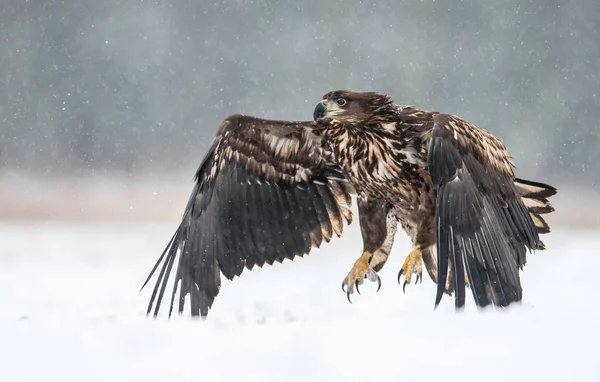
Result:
265,191
483,227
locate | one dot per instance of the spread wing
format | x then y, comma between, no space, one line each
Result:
483,227
264,192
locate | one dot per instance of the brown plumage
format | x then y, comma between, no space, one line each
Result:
452,186
269,190
265,191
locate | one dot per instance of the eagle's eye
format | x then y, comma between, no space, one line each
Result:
341,101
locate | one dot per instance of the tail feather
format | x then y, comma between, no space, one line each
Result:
535,198
531,189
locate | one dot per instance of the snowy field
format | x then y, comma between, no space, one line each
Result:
71,311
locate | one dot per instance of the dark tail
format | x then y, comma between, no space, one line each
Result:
535,197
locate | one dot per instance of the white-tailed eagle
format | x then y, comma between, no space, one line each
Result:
270,190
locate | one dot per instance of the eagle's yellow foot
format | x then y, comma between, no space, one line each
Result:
412,264
359,272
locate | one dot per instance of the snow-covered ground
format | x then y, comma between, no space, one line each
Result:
71,310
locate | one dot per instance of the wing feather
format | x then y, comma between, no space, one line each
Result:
321,208
265,191
483,227
254,225
297,241
332,208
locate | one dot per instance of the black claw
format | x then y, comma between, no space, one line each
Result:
404,287
419,279
356,286
348,295
344,287
378,283
400,275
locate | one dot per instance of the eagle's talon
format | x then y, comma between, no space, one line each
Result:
400,274
359,272
412,264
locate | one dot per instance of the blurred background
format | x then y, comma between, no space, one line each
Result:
107,106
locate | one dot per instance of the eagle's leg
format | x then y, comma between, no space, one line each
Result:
378,226
360,271
426,258
412,264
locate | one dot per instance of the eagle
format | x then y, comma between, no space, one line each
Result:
270,190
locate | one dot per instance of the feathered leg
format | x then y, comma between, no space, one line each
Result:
378,224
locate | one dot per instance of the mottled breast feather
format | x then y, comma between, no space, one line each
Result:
453,187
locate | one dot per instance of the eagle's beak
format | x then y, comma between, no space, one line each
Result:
320,110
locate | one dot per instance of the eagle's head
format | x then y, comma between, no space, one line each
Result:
354,107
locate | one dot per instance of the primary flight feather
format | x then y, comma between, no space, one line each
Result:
265,191
269,190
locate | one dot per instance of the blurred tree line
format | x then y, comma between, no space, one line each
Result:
140,86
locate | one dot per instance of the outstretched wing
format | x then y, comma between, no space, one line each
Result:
265,191
483,227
